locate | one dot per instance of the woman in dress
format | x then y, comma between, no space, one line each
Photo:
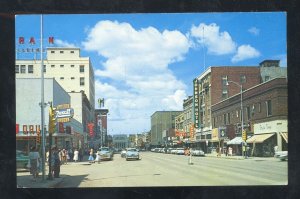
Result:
34,158
98,158
91,158
75,157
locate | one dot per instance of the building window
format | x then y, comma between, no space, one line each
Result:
52,66
269,107
72,51
17,69
81,81
72,66
228,118
72,77
267,78
242,79
45,68
52,51
30,68
248,113
62,66
259,107
81,68
23,69
224,119
62,78
224,87
61,52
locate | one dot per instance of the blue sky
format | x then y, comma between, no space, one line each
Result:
146,62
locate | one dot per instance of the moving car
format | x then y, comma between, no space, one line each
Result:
197,152
123,153
105,153
282,155
132,153
22,159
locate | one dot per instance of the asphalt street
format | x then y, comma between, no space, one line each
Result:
156,169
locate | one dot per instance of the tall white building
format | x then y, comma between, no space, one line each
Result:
74,74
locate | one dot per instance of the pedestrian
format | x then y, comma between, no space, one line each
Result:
55,162
229,151
244,150
75,157
91,158
98,157
71,153
80,154
64,156
34,162
68,156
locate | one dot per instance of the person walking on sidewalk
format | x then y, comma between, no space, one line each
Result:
98,157
34,158
55,162
91,158
75,158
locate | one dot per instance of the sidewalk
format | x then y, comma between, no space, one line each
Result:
236,157
24,178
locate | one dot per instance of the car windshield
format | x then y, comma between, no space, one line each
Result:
104,149
131,150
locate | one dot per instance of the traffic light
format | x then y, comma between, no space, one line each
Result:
244,135
52,119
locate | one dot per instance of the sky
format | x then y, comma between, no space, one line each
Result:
145,63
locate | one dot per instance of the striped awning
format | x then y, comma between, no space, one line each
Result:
259,138
285,136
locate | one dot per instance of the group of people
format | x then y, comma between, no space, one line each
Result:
91,156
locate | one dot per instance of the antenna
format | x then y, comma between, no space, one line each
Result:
203,50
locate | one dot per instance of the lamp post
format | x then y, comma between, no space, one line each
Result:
241,93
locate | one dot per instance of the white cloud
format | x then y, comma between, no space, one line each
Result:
62,43
253,30
245,52
216,42
137,62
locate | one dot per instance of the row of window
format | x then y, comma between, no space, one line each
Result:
249,113
22,68
62,51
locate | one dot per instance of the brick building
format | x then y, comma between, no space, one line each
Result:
265,113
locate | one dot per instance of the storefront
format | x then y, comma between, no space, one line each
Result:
266,136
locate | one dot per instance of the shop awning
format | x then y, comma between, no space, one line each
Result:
235,141
260,138
285,136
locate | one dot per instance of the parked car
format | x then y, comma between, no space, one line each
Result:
106,153
174,151
197,152
22,159
132,153
282,155
180,151
123,153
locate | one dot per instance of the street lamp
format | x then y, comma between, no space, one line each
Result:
241,91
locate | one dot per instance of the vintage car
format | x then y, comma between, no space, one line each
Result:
22,159
197,152
282,155
123,153
105,153
180,151
132,153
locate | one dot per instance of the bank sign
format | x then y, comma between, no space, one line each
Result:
65,113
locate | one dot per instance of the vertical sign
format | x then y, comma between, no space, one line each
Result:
17,128
192,132
196,103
